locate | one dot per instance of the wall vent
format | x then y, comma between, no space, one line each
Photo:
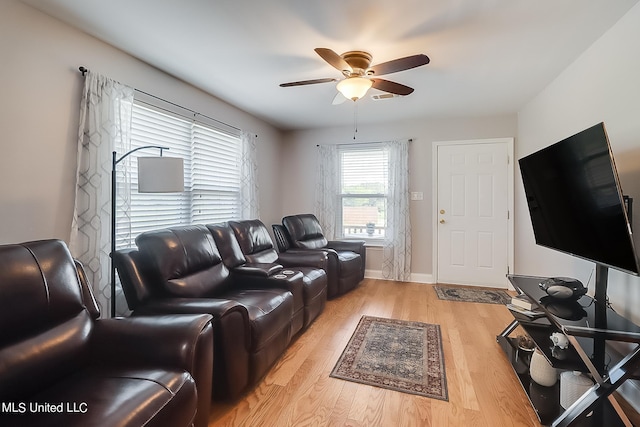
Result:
384,96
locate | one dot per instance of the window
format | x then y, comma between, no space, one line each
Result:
212,175
364,187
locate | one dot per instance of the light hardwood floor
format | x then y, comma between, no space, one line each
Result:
297,391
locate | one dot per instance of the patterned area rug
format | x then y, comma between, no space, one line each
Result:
472,295
397,355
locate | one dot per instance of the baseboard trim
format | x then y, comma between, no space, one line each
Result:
373,274
422,278
415,277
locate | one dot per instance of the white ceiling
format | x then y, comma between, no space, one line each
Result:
487,56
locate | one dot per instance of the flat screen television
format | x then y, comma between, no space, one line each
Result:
576,203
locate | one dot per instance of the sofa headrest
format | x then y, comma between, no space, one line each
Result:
225,238
137,277
252,236
44,327
305,231
186,258
39,288
281,237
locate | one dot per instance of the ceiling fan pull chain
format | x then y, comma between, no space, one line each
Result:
355,120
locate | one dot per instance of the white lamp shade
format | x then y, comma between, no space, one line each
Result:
160,175
354,88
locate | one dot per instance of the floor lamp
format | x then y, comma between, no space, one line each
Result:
155,175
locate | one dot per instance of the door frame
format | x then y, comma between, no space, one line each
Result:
510,199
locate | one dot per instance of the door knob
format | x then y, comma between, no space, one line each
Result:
442,221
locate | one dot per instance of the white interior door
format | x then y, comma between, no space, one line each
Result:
473,202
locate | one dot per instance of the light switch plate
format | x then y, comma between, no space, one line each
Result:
417,195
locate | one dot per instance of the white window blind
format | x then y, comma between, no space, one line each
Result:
215,175
364,185
212,175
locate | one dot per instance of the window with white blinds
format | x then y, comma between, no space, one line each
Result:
364,186
212,175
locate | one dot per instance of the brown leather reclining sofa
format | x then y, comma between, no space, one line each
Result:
257,306
62,366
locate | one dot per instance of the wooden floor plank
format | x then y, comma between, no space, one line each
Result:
298,391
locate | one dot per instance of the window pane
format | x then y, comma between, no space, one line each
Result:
364,171
364,217
364,182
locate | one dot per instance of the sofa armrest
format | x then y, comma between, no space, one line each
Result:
232,337
217,307
167,340
356,246
275,281
303,258
181,342
87,294
258,269
224,311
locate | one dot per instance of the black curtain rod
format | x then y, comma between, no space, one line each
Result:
84,70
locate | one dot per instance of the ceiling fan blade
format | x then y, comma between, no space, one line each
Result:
399,64
338,99
391,87
308,82
335,60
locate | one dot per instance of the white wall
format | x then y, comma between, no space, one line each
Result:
39,103
603,84
300,157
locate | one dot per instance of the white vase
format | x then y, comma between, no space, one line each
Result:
541,370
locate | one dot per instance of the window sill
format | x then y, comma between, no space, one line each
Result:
376,245
369,243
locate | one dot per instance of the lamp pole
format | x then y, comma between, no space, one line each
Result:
114,162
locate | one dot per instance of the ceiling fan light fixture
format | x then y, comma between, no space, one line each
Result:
354,88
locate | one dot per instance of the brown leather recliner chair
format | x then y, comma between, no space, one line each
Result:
61,366
180,270
346,258
259,275
257,247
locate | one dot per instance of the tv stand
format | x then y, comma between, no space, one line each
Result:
587,330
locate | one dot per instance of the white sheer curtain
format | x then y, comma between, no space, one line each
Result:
105,124
326,193
396,263
250,207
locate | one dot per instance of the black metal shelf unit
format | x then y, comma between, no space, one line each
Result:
587,326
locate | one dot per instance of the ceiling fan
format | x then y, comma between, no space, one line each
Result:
360,76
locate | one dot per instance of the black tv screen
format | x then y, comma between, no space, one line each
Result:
575,200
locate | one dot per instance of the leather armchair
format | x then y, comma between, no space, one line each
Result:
346,259
181,270
55,351
257,247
